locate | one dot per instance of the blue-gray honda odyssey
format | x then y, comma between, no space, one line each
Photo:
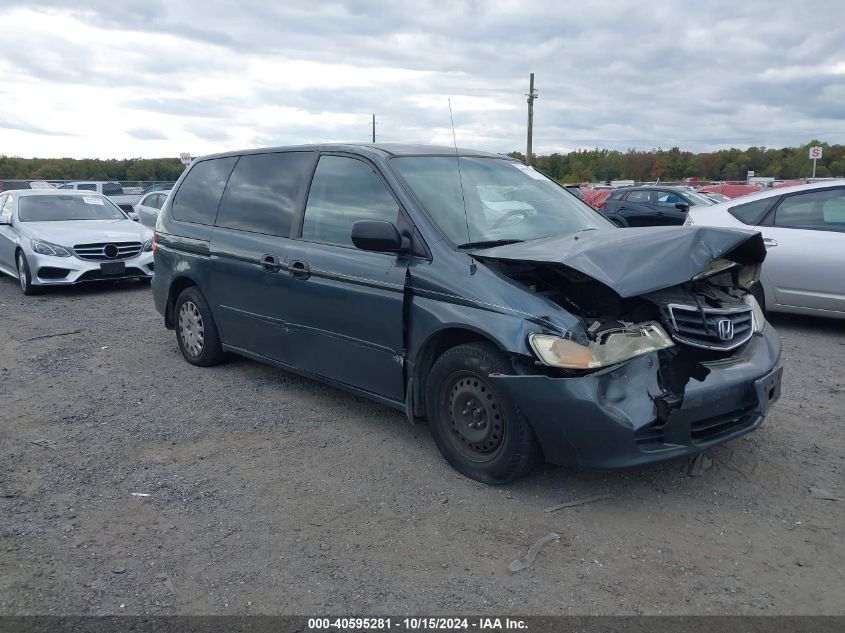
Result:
470,291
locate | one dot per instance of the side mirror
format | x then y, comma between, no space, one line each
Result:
683,206
378,236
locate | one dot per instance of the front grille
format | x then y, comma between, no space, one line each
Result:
96,275
652,437
107,251
711,328
711,429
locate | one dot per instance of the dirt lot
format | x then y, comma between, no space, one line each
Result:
269,493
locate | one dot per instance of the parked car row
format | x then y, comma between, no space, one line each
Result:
480,296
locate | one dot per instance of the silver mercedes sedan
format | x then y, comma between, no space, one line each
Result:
56,238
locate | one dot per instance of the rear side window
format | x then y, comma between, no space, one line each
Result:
262,192
345,190
751,213
639,196
199,194
87,187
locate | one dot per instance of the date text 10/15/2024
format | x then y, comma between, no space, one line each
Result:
416,624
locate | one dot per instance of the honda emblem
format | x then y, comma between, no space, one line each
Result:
726,329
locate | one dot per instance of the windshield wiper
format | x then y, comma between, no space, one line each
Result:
488,243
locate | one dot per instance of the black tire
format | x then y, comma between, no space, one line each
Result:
25,276
759,294
479,431
196,331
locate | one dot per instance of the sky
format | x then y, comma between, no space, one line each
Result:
155,78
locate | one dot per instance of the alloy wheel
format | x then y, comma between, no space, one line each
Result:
191,328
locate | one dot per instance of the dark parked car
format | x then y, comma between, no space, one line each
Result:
520,330
651,206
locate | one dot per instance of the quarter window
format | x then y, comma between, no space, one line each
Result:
814,210
199,195
344,191
262,193
751,213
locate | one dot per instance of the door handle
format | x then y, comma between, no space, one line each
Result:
658,213
299,269
271,263
769,242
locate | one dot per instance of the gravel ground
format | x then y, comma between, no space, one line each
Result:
269,493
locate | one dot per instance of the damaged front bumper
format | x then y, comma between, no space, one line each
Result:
624,416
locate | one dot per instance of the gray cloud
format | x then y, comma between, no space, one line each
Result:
10,123
146,134
609,74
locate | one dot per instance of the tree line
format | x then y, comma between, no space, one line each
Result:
578,166
132,169
596,165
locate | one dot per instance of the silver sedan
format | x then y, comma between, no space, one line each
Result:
55,238
803,229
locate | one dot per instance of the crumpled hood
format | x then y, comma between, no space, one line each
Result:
636,261
70,232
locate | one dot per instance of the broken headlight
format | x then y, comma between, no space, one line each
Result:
611,347
757,312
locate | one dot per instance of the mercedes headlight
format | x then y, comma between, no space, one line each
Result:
757,312
46,248
148,246
612,347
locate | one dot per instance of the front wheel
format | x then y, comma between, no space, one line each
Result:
25,276
478,429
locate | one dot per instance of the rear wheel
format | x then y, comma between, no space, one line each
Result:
24,276
478,429
196,331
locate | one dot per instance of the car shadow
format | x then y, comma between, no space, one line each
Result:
805,322
88,288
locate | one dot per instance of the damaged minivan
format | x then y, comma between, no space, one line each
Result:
468,290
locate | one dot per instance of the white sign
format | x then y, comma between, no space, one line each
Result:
185,158
815,153
750,174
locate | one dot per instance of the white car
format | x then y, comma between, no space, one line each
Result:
803,228
51,237
148,207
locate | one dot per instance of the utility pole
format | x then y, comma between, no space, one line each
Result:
532,94
374,128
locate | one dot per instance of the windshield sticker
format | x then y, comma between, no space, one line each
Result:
89,200
536,175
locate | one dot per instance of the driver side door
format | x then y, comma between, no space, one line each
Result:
345,305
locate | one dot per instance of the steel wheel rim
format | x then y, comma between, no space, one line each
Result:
191,328
22,271
473,414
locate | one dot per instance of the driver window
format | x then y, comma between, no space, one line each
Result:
344,191
814,210
669,198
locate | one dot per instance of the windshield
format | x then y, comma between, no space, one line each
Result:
505,201
64,207
698,199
